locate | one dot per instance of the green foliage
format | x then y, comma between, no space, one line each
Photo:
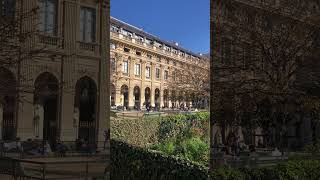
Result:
225,173
313,148
167,147
140,132
185,136
145,132
129,162
195,150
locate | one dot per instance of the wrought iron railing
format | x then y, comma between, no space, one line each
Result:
87,46
49,40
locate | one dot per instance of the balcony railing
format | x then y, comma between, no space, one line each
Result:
127,38
49,40
114,33
139,42
87,46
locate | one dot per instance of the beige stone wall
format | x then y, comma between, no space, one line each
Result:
68,60
166,63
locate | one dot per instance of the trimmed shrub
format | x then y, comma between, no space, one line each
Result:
145,132
129,162
140,132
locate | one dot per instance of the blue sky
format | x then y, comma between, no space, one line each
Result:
184,21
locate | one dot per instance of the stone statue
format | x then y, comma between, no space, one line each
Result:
38,120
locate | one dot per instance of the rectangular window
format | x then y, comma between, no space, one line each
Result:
87,24
137,69
8,8
157,73
48,16
125,67
166,75
113,64
148,72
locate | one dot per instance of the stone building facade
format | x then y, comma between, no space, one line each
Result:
142,65
61,93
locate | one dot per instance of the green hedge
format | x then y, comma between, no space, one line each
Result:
148,131
139,132
129,162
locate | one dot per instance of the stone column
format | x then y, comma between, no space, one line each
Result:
152,89
143,77
76,116
161,98
131,96
152,97
131,85
161,86
119,97
26,116
1,119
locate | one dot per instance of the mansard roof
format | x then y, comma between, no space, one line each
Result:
141,32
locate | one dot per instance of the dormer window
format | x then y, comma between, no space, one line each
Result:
140,38
138,53
148,42
127,33
114,28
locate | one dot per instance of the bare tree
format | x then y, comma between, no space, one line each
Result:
15,36
259,53
191,82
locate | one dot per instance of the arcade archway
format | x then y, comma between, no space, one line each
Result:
125,96
136,93
46,107
7,104
157,98
166,98
147,95
86,102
